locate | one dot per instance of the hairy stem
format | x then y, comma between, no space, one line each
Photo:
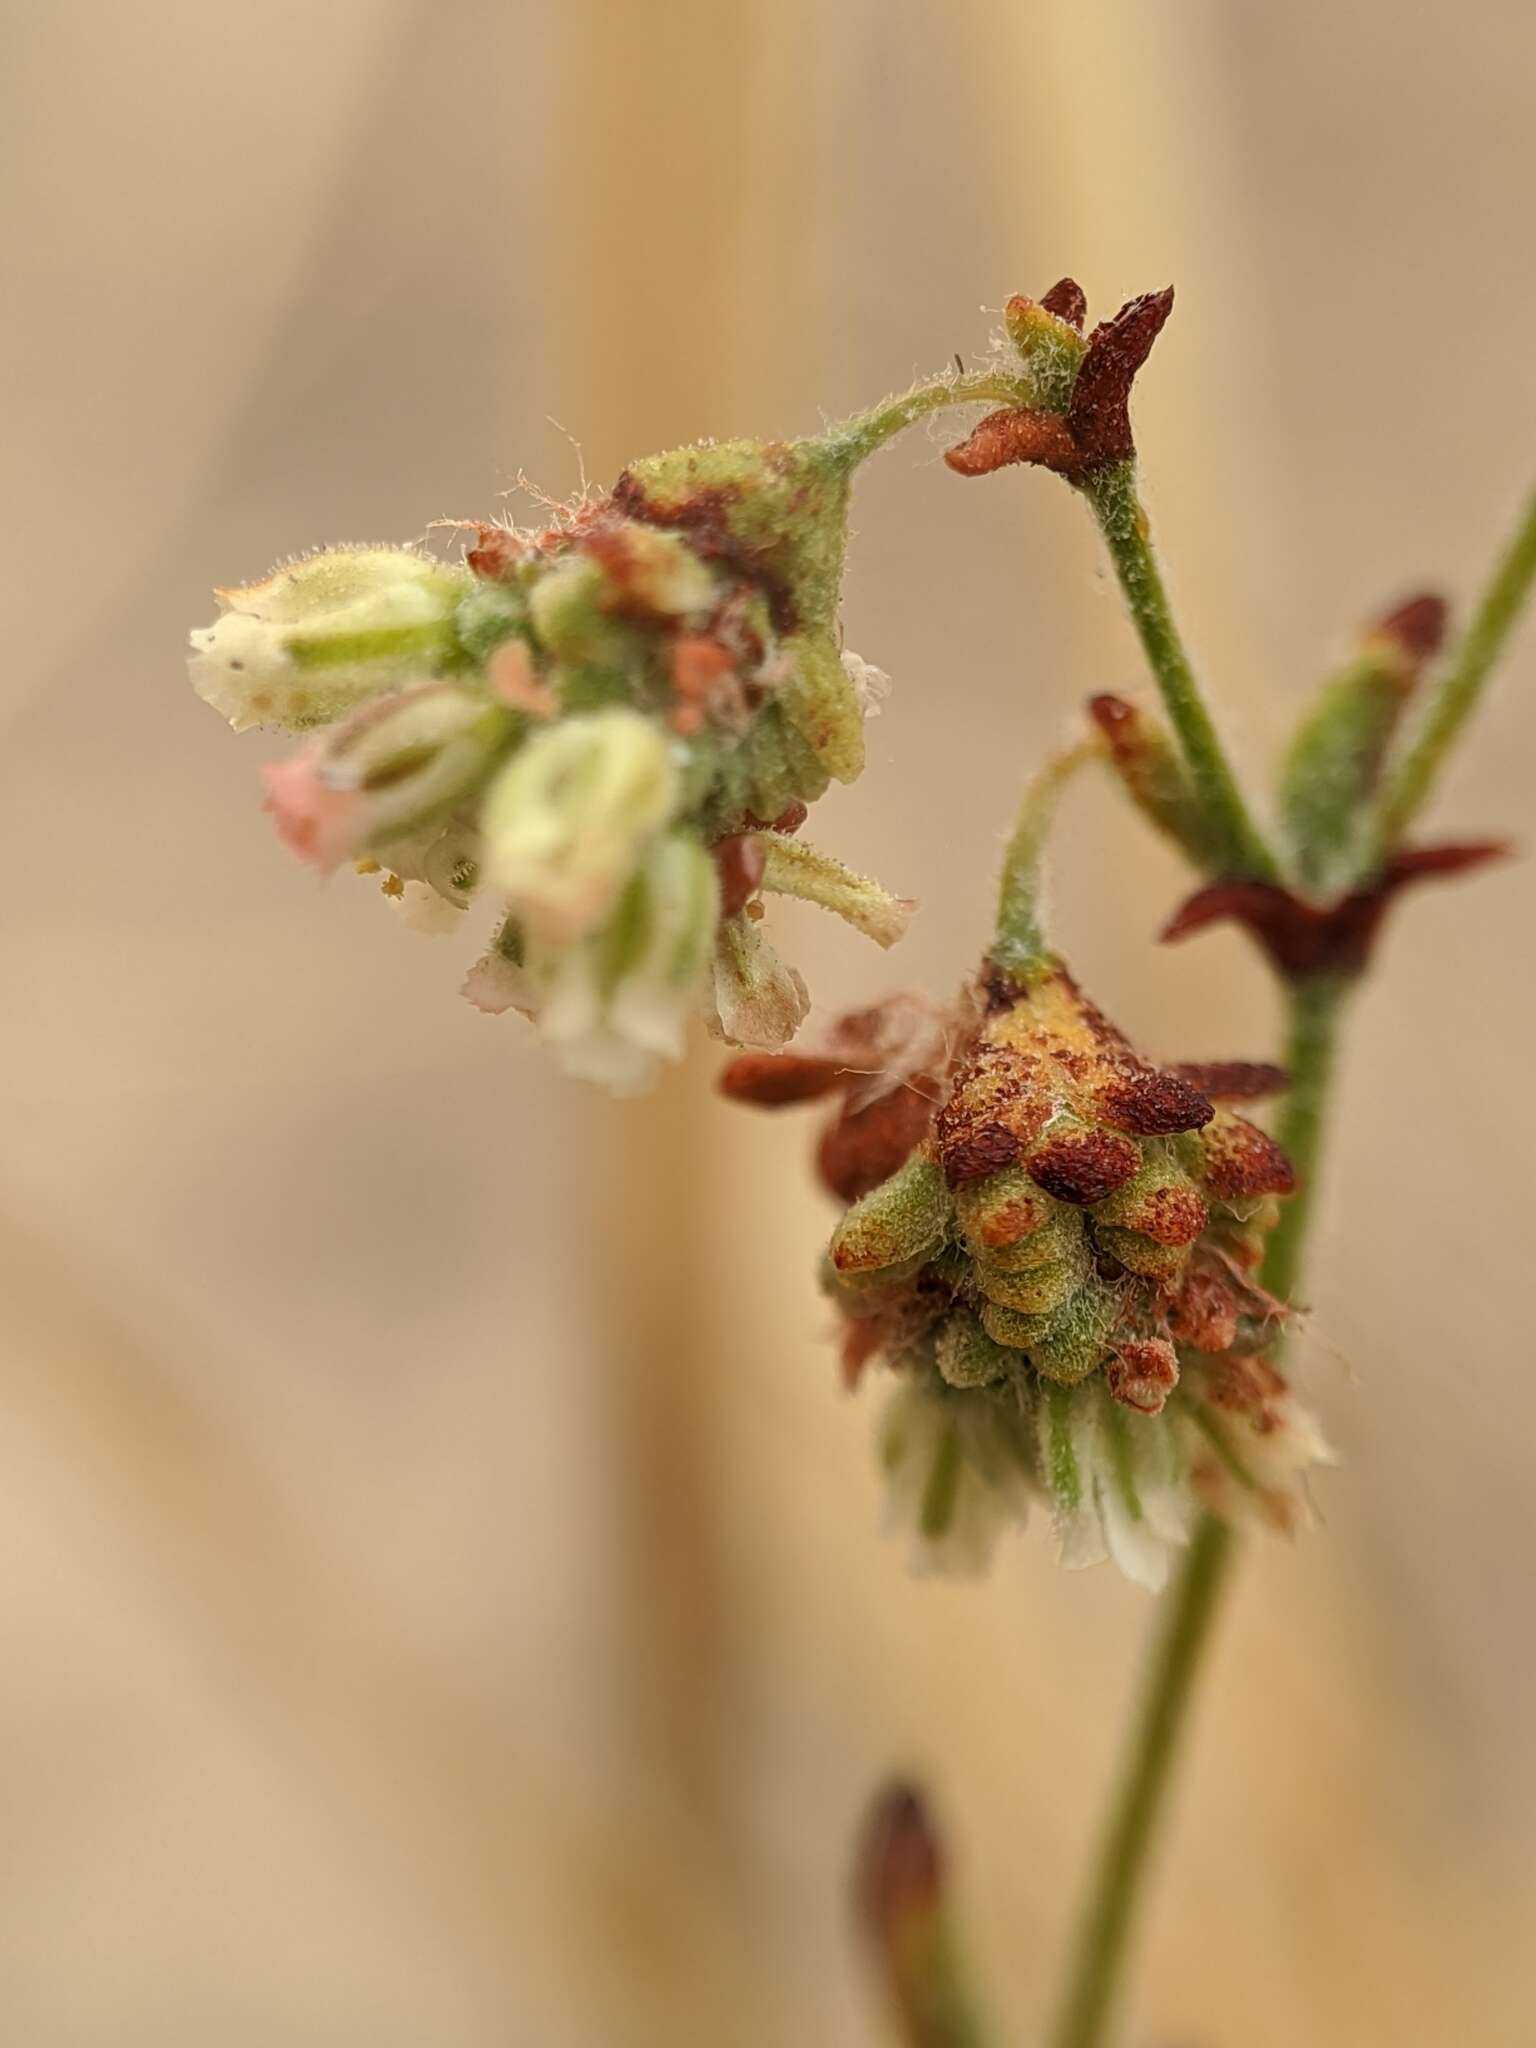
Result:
1314,1008
1019,946
859,437
1099,1958
1456,696
1122,521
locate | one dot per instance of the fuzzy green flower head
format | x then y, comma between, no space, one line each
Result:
573,724
1052,1244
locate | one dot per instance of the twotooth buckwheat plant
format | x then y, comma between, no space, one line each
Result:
1075,1263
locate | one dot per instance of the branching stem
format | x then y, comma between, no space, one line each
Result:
1123,522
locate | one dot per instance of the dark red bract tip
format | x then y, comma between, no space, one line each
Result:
900,1871
1417,626
1068,301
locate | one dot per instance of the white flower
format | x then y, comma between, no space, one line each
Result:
617,1003
569,819
757,999
319,635
387,777
1115,1480
498,982
957,1471
421,909
870,685
1250,1442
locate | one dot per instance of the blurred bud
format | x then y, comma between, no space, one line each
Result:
1258,1445
1142,1374
567,821
817,695
649,571
1334,760
900,1870
617,1002
321,634
957,1467
901,1895
395,765
966,1356
1141,752
758,999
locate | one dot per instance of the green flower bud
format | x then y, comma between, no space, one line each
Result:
396,767
566,606
903,1221
1050,348
568,820
1335,757
1140,750
320,634
966,1356
617,1002
819,700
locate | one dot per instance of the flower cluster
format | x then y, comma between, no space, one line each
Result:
612,727
1053,1244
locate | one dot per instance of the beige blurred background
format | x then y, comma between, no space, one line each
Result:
441,1595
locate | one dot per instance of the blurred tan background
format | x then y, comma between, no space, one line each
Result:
441,1595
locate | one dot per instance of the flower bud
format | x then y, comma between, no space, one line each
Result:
1050,346
896,1225
395,766
1140,750
1335,757
320,634
820,701
1064,1262
568,820
618,1001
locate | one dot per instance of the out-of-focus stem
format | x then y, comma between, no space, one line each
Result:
1103,1937
1314,1006
1124,1860
1410,780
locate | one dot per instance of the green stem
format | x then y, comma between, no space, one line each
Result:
1122,521
1314,1007
1456,696
1102,1939
1098,1962
858,437
1019,945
